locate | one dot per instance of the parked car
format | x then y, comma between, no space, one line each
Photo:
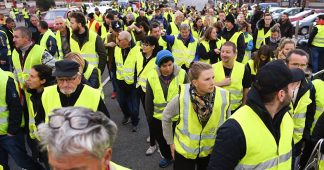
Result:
275,10
52,14
265,6
105,3
301,15
290,11
304,24
102,9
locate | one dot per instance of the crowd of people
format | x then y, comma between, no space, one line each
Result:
220,88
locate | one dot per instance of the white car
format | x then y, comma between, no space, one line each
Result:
102,9
105,3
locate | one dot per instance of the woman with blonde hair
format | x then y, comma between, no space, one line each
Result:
202,107
284,47
208,50
91,74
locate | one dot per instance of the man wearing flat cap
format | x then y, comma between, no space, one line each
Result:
69,91
259,135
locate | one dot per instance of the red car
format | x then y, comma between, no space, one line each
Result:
52,14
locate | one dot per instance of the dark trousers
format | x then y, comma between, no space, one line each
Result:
141,94
158,135
317,58
15,147
37,154
128,101
181,163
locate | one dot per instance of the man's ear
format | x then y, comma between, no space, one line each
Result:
107,156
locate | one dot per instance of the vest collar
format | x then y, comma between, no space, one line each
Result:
273,125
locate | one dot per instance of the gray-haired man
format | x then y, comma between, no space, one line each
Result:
78,138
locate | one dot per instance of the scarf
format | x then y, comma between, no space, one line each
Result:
203,105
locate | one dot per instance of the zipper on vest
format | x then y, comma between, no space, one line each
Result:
199,142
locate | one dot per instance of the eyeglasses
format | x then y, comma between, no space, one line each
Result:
68,80
144,44
75,122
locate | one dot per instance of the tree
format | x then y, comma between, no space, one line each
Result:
45,4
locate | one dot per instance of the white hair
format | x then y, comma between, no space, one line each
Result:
94,139
178,13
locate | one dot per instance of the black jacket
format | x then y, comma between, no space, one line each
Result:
240,41
9,35
286,29
260,25
230,144
69,101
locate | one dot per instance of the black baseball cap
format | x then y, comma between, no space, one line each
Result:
116,26
273,77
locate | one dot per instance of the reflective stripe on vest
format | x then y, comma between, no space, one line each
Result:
182,54
51,99
196,141
143,73
236,87
299,116
261,38
318,40
319,99
34,57
126,69
159,100
258,156
88,50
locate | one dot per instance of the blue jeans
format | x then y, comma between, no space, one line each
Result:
317,55
128,100
15,147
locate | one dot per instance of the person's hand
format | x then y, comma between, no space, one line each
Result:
111,44
226,81
217,51
172,148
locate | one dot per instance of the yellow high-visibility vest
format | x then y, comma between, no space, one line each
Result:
143,73
261,38
182,54
159,100
236,87
126,69
191,140
34,57
318,40
51,99
207,47
262,151
319,99
299,116
88,50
